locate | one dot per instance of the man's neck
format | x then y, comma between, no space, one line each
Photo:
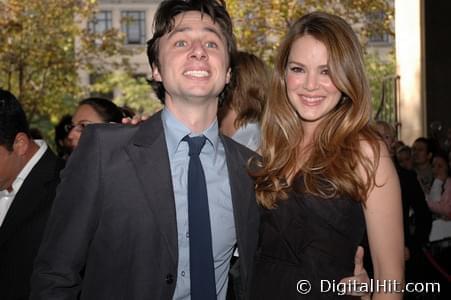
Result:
32,149
197,117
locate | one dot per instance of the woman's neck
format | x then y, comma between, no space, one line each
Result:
227,126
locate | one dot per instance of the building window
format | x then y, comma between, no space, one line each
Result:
134,27
101,22
377,35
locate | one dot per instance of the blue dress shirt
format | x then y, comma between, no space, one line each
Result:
214,163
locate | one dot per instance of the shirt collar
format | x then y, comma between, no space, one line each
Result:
29,166
175,131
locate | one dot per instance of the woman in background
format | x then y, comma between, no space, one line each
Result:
439,198
92,111
240,114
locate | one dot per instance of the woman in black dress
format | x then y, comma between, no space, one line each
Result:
325,179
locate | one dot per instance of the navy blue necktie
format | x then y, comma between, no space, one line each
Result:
202,273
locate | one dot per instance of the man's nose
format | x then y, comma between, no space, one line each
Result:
198,50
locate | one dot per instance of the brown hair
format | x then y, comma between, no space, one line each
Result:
330,168
249,93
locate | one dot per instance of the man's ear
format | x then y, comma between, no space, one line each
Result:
228,75
21,144
156,73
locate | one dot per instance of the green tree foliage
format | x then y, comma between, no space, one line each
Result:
43,44
134,92
260,25
381,71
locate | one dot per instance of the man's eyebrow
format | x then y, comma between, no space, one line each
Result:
188,28
213,30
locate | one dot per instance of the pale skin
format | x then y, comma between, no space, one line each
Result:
383,214
313,95
389,138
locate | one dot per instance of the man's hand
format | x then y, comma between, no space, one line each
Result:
135,120
360,275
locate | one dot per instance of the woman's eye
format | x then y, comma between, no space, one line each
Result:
296,69
325,72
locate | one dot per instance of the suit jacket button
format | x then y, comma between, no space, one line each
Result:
169,278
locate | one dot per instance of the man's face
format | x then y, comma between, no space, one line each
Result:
194,62
405,160
9,167
420,153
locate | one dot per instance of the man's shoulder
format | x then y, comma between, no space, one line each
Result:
116,135
113,134
240,153
231,144
52,160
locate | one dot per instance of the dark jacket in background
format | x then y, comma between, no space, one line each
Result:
23,226
417,228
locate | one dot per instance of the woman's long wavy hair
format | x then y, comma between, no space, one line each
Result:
331,167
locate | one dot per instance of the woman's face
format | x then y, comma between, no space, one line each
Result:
439,168
309,86
84,115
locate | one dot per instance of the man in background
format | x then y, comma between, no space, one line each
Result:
29,174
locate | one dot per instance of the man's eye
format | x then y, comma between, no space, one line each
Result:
180,43
211,45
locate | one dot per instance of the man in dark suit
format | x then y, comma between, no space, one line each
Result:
29,174
119,227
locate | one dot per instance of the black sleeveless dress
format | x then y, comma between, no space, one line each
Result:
307,238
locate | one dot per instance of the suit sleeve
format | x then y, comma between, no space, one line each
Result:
72,224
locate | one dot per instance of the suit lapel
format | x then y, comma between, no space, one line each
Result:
241,190
31,193
240,185
148,152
